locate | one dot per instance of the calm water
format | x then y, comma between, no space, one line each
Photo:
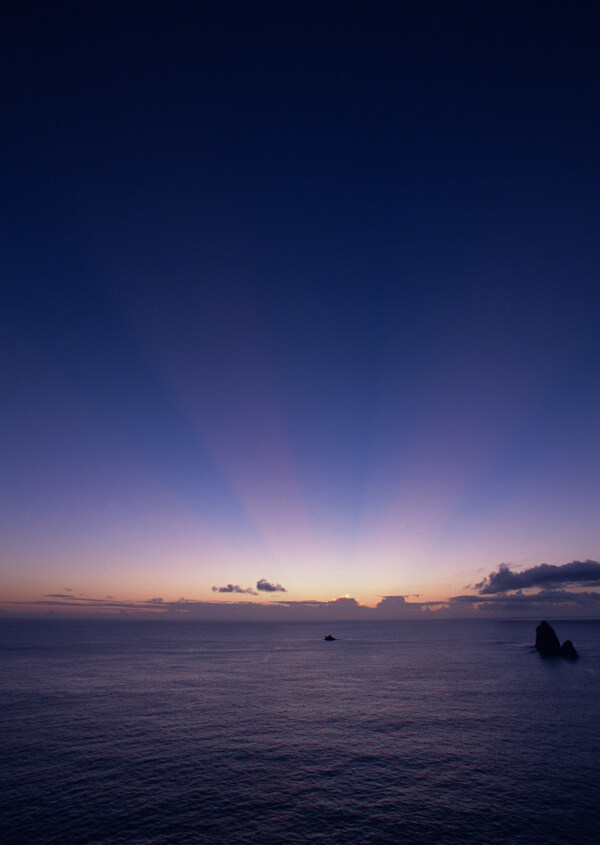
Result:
440,732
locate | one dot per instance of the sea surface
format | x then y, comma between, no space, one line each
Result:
397,732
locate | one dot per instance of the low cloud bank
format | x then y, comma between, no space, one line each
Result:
347,608
544,601
537,591
340,609
544,575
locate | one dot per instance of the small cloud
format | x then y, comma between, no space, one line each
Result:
392,606
234,588
266,587
399,601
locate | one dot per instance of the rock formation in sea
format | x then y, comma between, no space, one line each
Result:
567,649
548,644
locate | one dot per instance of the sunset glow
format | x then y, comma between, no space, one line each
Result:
261,325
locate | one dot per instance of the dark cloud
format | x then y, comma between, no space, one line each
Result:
546,574
302,603
266,587
341,602
342,609
554,600
401,601
389,602
234,588
390,607
106,600
59,600
394,607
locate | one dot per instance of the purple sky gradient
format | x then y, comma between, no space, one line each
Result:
306,294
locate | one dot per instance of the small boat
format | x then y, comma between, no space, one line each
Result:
329,638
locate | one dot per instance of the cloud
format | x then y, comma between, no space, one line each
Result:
341,609
234,588
398,599
58,600
392,602
347,608
344,608
394,607
546,574
344,601
551,600
266,587
107,600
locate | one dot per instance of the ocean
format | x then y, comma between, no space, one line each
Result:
399,732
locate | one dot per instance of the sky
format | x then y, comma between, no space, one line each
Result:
300,309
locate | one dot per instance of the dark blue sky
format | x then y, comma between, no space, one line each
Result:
304,291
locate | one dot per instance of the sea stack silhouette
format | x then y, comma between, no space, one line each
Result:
548,644
329,638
